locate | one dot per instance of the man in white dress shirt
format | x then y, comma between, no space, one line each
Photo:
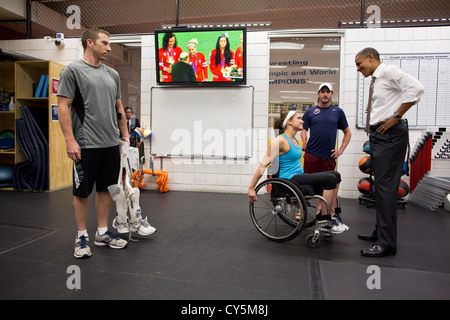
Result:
394,93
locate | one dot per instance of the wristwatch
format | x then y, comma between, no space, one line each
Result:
397,115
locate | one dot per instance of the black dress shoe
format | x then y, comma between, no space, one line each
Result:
378,251
368,237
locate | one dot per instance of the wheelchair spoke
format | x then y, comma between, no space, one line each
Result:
274,213
270,222
266,201
268,214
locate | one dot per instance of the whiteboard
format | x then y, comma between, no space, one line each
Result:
202,122
433,71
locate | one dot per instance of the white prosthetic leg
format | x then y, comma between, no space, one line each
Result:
126,197
120,222
138,224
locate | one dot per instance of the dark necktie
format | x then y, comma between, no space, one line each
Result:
369,105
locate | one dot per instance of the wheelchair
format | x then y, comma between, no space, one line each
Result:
284,209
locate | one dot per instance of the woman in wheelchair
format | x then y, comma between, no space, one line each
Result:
286,149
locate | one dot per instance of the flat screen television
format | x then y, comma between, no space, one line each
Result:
201,56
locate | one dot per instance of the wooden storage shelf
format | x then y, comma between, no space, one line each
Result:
28,75
32,99
26,78
7,152
7,118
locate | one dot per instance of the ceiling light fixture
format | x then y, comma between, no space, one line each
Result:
286,46
330,47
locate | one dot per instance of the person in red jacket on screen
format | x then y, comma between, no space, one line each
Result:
239,55
220,58
169,54
198,61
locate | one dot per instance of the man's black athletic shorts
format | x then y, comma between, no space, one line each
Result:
100,166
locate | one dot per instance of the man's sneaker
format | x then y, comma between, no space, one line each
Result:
120,227
109,239
82,249
142,227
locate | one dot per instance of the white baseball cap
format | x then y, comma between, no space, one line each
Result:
326,84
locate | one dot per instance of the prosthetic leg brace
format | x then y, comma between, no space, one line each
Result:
126,197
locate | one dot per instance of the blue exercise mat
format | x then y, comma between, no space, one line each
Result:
32,173
41,156
24,170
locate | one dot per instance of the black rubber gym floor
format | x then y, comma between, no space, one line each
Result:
206,248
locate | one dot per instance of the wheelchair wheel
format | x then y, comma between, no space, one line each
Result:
313,240
275,212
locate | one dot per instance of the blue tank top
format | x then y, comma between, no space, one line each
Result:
290,162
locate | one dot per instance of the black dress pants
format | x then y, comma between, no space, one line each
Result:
387,152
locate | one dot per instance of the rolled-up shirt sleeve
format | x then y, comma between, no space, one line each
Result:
411,87
392,88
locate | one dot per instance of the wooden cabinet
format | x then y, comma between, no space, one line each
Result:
7,118
27,76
